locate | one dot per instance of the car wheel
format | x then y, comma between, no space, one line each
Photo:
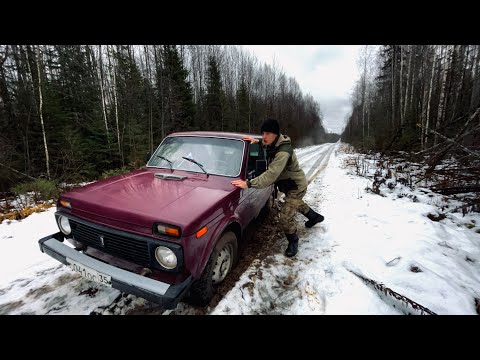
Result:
220,263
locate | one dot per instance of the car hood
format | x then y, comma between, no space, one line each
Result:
135,201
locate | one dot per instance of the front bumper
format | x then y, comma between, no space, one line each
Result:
152,290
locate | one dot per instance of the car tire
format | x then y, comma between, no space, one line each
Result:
217,268
219,265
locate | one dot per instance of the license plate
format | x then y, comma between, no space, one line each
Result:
90,274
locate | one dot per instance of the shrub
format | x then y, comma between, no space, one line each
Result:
113,172
42,189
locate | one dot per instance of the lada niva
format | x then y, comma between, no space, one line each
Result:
171,230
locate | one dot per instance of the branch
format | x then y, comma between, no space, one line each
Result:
427,150
389,292
18,172
456,143
434,159
457,189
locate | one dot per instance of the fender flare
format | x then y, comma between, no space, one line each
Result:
218,231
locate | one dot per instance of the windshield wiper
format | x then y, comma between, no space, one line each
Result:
196,162
169,162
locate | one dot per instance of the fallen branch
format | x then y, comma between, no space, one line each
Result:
18,172
473,153
428,150
389,292
460,135
457,189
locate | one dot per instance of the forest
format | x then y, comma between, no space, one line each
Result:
72,113
422,102
418,98
75,113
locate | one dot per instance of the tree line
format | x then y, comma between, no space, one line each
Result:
72,112
419,98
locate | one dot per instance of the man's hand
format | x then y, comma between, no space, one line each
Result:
240,183
251,139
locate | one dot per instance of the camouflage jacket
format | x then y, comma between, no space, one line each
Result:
283,168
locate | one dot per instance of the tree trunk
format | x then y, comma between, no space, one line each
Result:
409,76
427,119
443,90
474,100
40,112
364,89
114,70
460,54
150,99
393,86
400,86
102,92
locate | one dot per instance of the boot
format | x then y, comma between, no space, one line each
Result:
313,218
292,245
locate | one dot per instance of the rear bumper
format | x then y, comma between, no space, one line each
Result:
167,295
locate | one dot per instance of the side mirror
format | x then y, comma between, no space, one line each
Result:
260,167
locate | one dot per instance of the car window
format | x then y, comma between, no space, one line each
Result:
218,156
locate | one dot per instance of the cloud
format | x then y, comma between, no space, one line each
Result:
327,72
335,111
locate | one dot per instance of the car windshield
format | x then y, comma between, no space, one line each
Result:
217,156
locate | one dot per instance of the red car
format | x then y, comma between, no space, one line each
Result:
171,230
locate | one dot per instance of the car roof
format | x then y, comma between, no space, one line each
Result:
223,134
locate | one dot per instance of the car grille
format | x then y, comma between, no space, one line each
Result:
121,246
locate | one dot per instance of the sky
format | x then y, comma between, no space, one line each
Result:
327,72
366,239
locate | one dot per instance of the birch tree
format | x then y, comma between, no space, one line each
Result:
40,111
444,61
113,70
409,77
102,92
427,118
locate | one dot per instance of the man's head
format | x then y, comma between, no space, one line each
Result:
270,129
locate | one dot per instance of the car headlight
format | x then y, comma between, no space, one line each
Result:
166,257
64,225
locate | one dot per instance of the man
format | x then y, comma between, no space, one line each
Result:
285,172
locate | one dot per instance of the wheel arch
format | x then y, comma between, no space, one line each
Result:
203,289
216,235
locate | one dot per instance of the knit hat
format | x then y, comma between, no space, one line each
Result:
270,125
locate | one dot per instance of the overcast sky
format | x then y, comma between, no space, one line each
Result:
327,72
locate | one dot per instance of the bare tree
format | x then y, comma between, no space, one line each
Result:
427,118
409,76
113,74
150,99
40,111
102,92
444,65
475,98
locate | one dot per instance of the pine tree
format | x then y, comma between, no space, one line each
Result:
214,97
177,91
243,110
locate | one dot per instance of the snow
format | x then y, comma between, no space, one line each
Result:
388,239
